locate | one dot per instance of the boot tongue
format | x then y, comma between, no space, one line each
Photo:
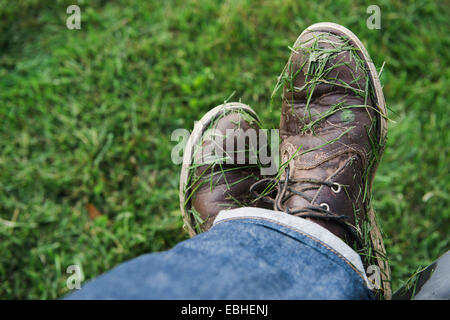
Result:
323,172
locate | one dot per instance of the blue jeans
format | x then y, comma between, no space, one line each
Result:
249,253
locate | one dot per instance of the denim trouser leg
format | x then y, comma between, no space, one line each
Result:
241,257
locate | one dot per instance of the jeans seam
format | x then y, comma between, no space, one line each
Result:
302,233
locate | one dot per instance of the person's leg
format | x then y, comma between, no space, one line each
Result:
248,254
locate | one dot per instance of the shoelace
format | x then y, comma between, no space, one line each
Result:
284,192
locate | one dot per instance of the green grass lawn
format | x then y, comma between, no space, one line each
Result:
86,117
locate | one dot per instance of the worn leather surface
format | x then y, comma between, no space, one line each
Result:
229,190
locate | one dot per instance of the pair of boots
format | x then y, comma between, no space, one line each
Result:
333,127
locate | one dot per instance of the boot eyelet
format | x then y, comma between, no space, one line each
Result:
325,205
336,187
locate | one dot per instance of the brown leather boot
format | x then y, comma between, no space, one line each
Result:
333,131
220,163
